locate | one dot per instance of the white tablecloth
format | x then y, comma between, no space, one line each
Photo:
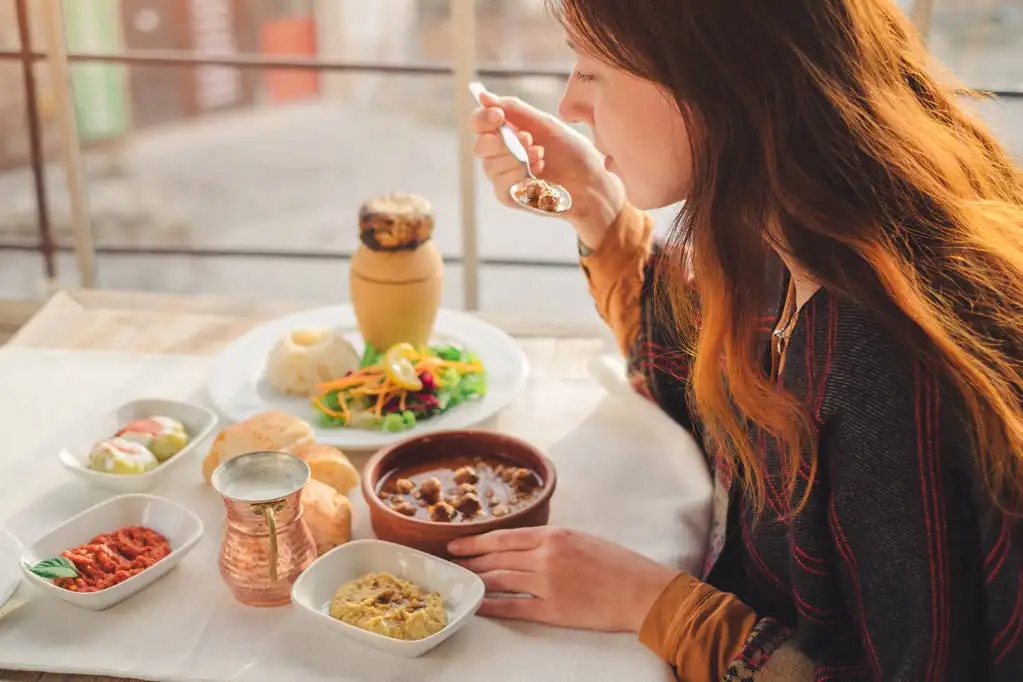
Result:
646,489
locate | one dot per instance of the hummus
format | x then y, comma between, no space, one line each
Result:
389,606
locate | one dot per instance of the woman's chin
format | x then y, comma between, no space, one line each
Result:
642,197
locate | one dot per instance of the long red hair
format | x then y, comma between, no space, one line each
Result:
819,130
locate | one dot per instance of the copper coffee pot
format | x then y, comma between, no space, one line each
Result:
266,542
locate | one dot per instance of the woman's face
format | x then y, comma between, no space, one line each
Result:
636,126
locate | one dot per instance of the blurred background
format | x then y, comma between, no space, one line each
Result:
246,182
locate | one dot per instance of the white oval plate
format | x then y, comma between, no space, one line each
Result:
239,390
182,528
74,456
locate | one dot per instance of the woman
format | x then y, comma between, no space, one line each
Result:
846,280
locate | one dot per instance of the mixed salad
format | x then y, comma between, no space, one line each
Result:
395,389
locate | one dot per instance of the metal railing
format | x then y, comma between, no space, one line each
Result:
462,70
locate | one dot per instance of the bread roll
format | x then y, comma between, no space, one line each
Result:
329,465
328,515
275,431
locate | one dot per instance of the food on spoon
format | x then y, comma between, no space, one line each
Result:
389,606
395,389
304,358
121,456
539,194
163,436
328,514
106,560
460,489
326,508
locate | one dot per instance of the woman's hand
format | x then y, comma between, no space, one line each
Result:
575,580
556,153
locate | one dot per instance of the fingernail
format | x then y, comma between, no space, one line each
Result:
494,116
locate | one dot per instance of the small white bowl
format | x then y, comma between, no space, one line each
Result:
462,590
74,456
182,528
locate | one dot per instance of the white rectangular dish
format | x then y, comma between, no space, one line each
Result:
461,589
181,527
74,455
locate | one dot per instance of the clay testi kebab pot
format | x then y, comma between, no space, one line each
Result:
397,273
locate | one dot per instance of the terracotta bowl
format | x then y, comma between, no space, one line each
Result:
431,536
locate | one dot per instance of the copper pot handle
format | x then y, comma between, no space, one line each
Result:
269,514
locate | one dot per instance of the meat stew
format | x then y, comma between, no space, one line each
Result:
460,489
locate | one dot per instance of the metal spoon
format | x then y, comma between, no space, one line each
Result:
515,146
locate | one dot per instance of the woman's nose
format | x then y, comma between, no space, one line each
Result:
573,109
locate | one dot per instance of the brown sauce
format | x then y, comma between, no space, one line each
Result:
460,489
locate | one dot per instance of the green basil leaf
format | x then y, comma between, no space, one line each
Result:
57,567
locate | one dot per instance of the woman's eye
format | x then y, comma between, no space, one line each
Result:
584,77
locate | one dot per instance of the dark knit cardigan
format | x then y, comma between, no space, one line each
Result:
897,568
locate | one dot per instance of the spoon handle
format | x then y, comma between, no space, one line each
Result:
508,136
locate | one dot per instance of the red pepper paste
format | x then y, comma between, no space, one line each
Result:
112,558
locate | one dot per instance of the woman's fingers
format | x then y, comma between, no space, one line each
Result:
513,582
501,561
486,120
491,145
496,167
511,540
513,608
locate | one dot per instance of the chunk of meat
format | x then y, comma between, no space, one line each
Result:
531,191
523,481
465,475
406,508
442,512
469,504
499,511
404,486
548,200
467,489
429,490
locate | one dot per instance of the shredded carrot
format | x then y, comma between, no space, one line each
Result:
361,377
326,410
375,390
434,363
373,383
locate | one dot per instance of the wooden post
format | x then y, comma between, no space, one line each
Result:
921,15
74,168
463,20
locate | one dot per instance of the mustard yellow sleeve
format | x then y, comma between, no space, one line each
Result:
706,634
615,273
697,629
